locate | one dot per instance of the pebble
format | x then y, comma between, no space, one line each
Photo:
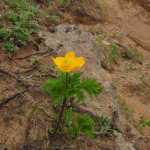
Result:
115,133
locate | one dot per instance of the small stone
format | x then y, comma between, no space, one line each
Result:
115,133
105,42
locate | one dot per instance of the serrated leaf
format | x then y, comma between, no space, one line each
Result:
142,121
148,123
74,131
85,125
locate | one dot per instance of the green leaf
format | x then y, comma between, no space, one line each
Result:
101,119
24,115
34,107
85,125
91,87
74,131
50,129
148,123
144,125
74,79
105,128
142,121
55,89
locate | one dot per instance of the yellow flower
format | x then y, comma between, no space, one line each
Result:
69,62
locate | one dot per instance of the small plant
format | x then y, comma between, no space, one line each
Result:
22,5
24,115
100,6
111,54
114,53
129,53
54,71
36,60
34,107
118,96
20,27
102,119
139,57
58,14
10,46
98,31
60,43
142,123
98,38
55,18
127,111
133,54
51,46
129,69
64,3
104,124
143,81
66,87
115,108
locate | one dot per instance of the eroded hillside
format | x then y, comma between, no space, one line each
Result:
121,49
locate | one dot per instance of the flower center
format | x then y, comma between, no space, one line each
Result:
66,62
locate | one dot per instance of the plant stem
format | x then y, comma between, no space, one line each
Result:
66,80
62,108
60,136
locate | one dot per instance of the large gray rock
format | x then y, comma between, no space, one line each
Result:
83,44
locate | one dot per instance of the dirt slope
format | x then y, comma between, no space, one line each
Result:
124,23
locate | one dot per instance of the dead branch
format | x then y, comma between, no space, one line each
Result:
13,75
31,55
38,107
104,147
22,66
6,72
6,100
26,136
32,67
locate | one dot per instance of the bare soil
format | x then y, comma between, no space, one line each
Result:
123,23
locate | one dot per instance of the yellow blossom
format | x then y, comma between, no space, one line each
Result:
69,62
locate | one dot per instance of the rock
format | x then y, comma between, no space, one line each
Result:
122,144
83,44
105,42
144,43
115,133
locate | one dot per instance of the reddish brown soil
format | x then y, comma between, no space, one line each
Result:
124,23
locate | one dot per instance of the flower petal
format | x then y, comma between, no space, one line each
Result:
79,62
70,56
74,68
63,70
58,61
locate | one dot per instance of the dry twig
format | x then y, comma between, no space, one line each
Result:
26,84
20,58
6,100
